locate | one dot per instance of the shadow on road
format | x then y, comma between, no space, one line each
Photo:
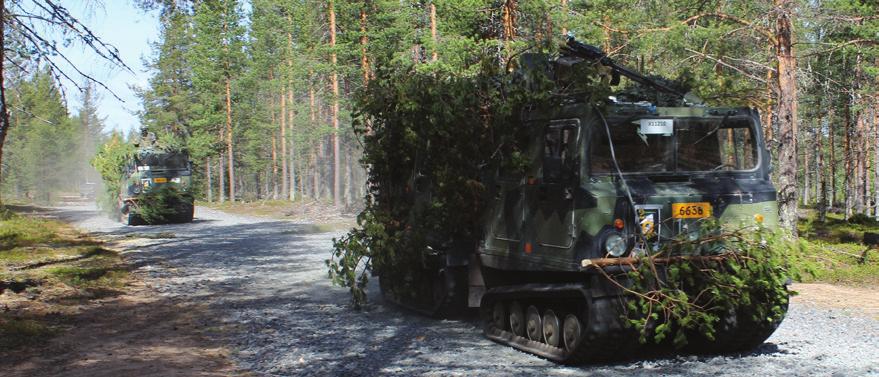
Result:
265,284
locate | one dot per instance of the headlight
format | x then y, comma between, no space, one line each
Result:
615,245
175,180
143,168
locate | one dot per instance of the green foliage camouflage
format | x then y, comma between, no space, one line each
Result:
110,163
693,291
162,205
432,130
450,132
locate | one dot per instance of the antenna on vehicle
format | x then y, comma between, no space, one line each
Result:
616,165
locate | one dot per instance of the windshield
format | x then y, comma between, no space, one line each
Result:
164,161
650,144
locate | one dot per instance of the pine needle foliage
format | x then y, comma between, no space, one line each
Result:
162,205
695,291
432,137
110,162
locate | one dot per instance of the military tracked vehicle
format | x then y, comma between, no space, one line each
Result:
149,172
615,182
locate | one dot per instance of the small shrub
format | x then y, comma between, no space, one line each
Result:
162,205
745,272
862,219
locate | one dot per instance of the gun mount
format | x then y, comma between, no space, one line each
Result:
584,51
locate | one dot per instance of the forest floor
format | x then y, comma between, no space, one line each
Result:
835,252
238,295
320,213
70,305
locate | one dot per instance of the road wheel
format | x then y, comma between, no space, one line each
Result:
532,324
571,332
517,319
499,315
551,328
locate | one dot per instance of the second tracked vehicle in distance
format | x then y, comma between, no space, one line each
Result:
614,182
152,170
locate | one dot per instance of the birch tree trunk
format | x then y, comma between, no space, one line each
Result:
4,113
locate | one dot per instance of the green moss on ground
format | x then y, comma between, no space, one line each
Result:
833,249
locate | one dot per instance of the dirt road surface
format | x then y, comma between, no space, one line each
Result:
259,289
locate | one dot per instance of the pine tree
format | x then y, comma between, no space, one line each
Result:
216,59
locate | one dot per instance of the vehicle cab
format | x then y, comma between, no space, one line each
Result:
623,179
151,169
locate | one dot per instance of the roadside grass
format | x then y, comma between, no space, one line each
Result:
15,333
48,267
259,208
834,250
20,231
323,215
152,236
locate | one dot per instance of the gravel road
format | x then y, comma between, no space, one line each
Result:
265,283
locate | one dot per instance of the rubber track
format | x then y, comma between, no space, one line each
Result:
593,347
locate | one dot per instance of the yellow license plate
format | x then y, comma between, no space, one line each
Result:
160,180
691,210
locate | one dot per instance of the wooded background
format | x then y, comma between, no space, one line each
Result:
261,91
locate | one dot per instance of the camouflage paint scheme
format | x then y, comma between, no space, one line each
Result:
535,224
136,181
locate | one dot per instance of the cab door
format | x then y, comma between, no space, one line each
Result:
553,218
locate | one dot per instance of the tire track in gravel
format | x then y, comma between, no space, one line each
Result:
266,285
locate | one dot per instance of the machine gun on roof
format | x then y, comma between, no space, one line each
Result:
583,51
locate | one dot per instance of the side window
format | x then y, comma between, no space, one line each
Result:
560,157
737,149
